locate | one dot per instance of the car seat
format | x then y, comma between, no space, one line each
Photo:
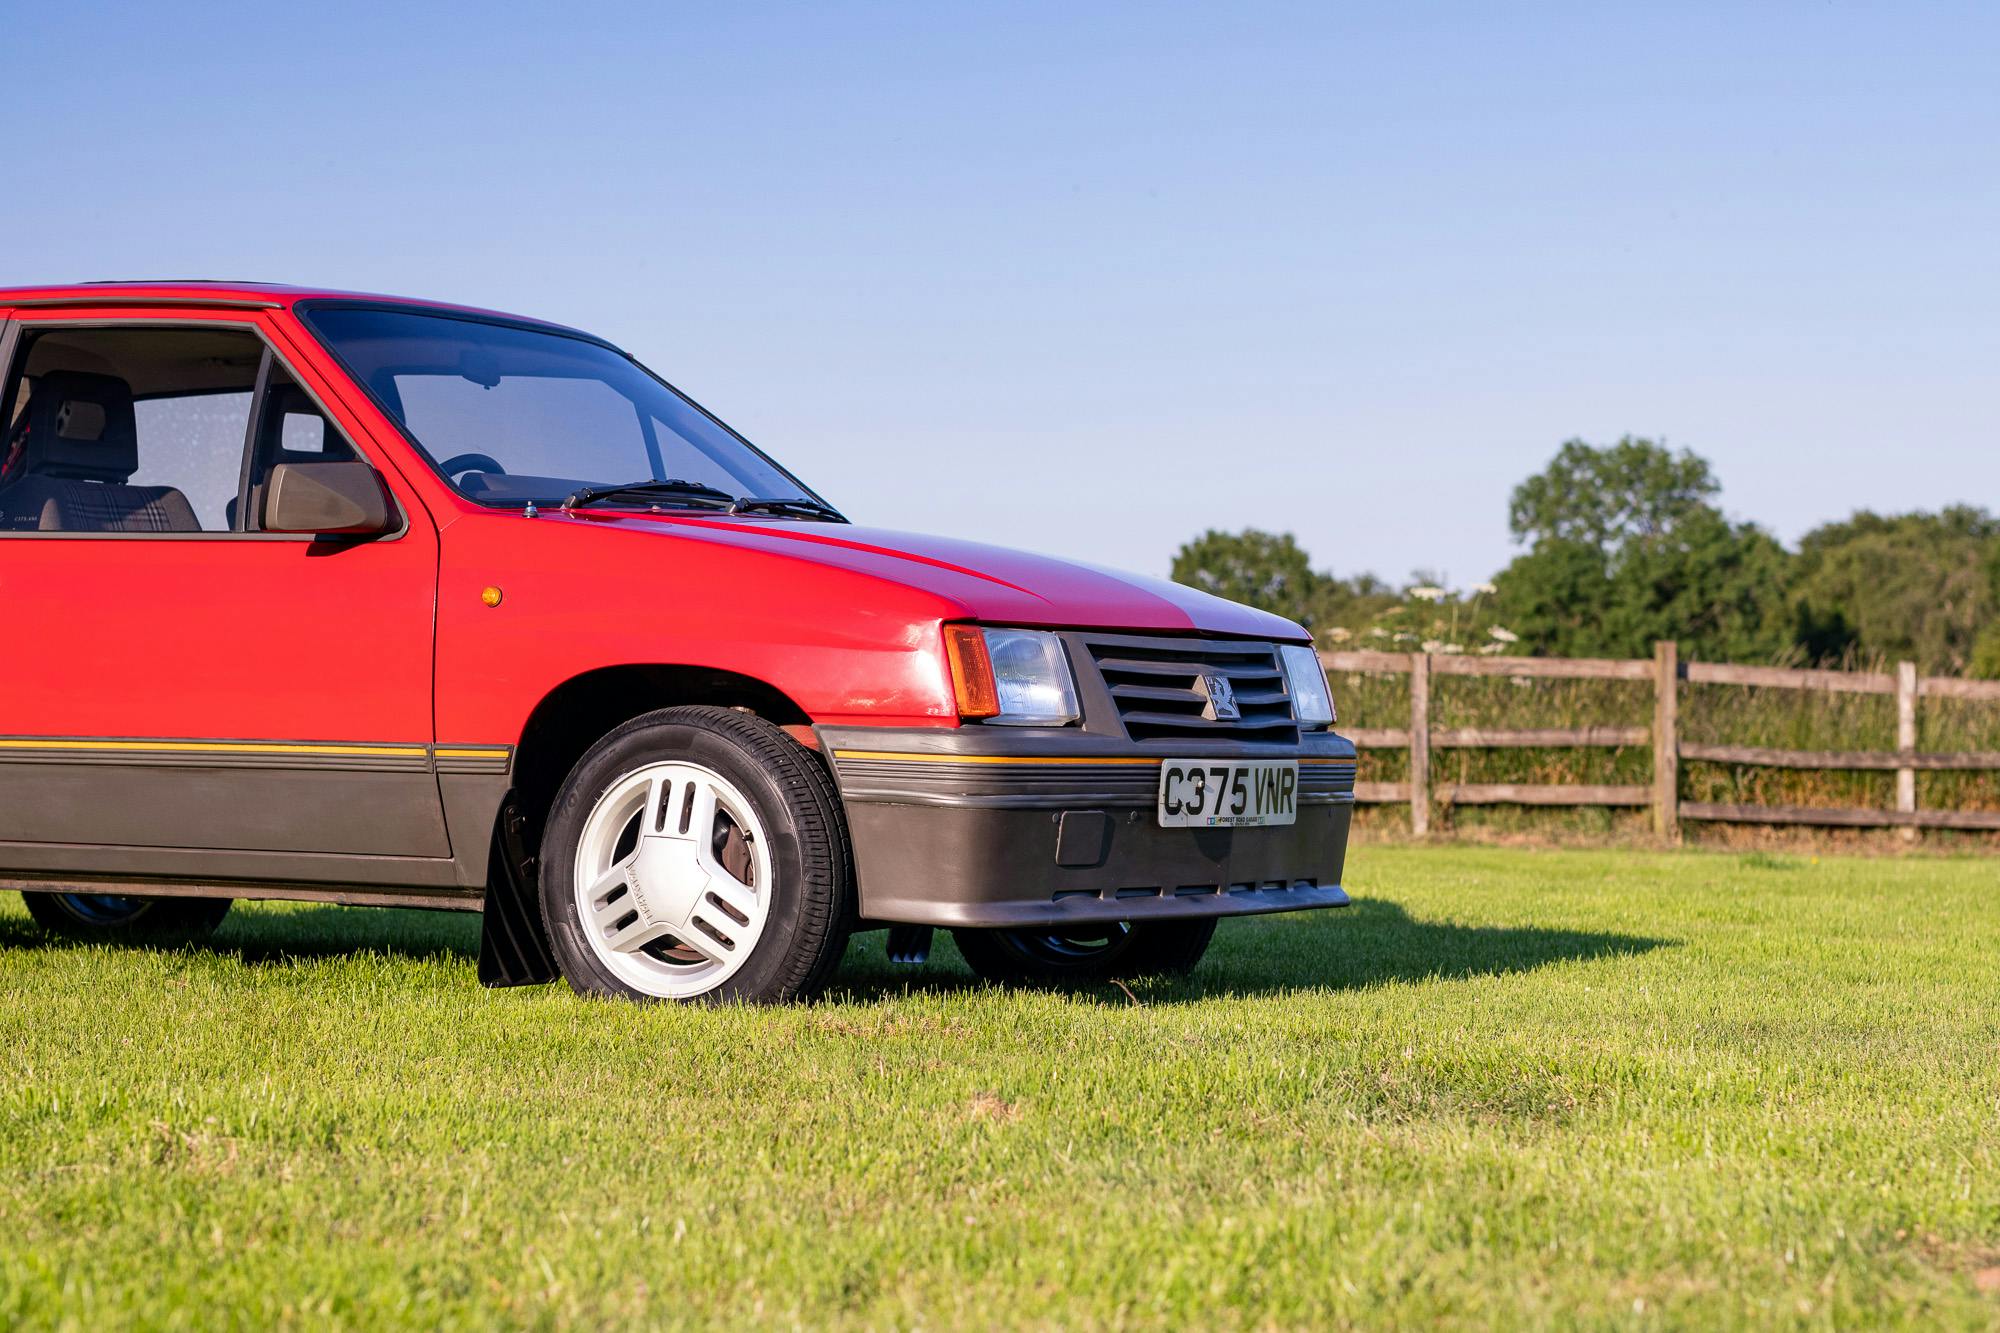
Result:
70,459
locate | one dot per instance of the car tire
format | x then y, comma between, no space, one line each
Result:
697,853
110,918
1088,954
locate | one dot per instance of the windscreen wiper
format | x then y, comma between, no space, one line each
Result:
797,504
692,491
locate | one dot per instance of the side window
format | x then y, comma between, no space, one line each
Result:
127,429
302,433
290,429
194,444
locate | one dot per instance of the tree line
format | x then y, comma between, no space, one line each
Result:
1625,544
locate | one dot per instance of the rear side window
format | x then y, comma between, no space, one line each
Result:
195,444
127,430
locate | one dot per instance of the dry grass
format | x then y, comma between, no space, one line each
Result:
1713,714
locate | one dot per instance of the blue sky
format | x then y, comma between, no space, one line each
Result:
1088,279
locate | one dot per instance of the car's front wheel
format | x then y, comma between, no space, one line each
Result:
697,854
1084,954
114,918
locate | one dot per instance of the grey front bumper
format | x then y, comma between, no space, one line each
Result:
972,827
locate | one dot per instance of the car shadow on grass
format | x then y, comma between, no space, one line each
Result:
1372,942
265,934
266,937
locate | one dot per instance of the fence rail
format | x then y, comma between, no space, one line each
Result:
1666,672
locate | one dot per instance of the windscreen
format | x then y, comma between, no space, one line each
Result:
510,415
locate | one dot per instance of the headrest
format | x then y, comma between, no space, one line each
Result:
80,420
80,426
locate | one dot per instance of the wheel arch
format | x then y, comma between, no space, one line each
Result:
576,714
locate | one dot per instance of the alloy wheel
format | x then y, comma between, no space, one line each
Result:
673,879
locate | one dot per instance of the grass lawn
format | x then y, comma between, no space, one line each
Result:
1506,1086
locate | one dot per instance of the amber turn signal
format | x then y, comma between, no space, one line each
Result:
971,671
490,596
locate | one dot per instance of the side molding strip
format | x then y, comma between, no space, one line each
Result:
191,753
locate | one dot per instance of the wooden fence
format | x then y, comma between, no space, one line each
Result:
1665,672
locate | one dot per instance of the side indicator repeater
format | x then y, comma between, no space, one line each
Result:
490,596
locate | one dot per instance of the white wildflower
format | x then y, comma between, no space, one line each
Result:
1502,635
1377,632
1340,634
1484,589
1488,649
1439,646
1427,593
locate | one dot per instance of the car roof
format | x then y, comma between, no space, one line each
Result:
213,292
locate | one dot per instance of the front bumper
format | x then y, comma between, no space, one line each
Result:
975,826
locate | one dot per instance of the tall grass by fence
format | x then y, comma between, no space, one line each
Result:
1682,741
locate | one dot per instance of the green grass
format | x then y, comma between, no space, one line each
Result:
1517,1087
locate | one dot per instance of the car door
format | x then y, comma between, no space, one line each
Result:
181,692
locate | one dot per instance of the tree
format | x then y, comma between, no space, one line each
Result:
1272,572
1985,664
1607,496
1627,549
1716,586
1986,649
1261,569
1348,601
1625,546
1554,596
1919,586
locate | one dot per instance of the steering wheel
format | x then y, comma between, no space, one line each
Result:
458,463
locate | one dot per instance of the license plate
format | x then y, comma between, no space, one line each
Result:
1206,793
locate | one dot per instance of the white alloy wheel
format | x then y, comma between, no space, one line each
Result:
672,880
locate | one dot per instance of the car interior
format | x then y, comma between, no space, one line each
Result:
70,459
143,430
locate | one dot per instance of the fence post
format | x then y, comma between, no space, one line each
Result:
1667,740
1420,744
1906,742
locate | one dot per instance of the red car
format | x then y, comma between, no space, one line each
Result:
352,599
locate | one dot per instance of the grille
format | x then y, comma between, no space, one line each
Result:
1302,885
1162,694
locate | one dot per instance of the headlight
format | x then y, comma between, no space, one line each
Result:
1013,677
1312,701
